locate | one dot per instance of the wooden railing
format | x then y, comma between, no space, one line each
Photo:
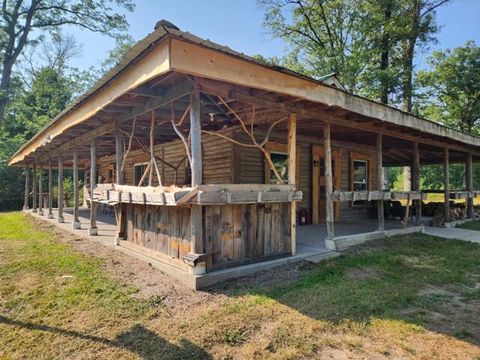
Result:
199,195
377,195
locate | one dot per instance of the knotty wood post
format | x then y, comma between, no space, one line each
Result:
93,230
60,189
380,215
196,165
416,182
330,216
119,156
34,184
27,188
120,181
50,194
292,171
469,182
40,191
76,219
446,174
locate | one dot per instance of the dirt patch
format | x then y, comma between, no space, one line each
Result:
150,281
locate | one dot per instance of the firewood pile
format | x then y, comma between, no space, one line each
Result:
457,212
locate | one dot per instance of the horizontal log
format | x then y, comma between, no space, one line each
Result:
200,195
408,195
376,195
245,197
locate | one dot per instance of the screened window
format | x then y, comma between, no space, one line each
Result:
139,170
280,161
360,175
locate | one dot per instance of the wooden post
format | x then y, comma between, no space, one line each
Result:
40,191
469,182
416,182
330,216
76,219
292,171
34,185
119,157
446,173
60,189
50,194
27,188
93,230
196,165
380,213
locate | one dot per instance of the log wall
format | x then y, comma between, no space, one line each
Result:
217,162
252,166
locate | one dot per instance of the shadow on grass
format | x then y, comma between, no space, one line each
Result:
418,279
137,340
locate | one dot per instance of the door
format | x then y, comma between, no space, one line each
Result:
318,182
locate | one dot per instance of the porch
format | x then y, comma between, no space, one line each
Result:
310,243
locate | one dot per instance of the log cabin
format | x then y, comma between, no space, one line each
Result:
215,163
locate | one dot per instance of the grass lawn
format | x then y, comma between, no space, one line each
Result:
470,225
412,296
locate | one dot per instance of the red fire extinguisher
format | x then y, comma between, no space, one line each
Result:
303,216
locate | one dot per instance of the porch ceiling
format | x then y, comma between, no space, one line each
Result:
248,87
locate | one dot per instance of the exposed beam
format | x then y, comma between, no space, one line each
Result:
171,94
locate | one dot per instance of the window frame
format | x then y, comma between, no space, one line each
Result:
135,165
369,159
279,148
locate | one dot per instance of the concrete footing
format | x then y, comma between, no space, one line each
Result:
92,231
343,242
49,216
76,225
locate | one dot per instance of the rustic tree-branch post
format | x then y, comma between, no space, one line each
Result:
469,182
27,188
446,176
93,230
60,218
416,182
40,191
76,218
380,213
292,171
330,216
119,156
196,166
50,190
34,186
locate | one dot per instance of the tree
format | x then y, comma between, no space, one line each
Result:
19,19
450,91
324,35
358,40
419,28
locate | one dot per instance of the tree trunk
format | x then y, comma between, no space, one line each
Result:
385,55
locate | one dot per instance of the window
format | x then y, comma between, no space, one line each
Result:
280,161
139,170
360,175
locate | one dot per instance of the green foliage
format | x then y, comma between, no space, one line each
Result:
450,91
28,112
369,44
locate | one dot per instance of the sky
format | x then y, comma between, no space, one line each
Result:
238,25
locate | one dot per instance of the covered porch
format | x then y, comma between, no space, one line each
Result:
207,168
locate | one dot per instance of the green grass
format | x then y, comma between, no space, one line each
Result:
470,225
412,296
